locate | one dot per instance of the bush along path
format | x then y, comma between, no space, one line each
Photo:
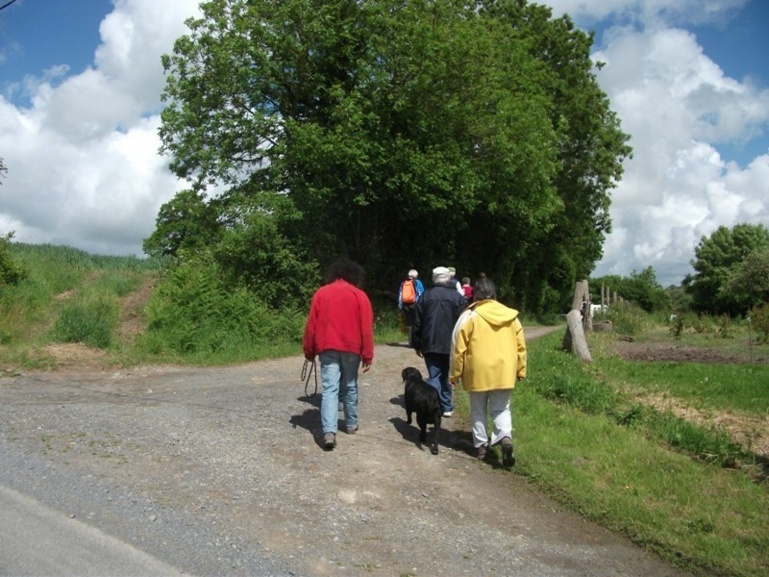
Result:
221,471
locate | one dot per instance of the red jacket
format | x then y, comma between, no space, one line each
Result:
341,319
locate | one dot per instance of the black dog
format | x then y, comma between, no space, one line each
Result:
422,399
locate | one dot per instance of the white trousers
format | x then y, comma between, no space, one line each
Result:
498,405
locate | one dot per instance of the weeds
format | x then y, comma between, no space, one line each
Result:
627,319
759,320
89,321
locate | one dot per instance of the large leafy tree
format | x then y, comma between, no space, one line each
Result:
748,282
429,133
719,257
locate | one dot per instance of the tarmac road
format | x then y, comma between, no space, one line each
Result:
37,540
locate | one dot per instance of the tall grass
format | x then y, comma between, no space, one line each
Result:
64,295
193,315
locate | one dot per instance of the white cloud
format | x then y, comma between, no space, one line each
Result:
677,105
83,160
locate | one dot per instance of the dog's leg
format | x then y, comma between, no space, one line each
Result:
409,409
422,422
436,434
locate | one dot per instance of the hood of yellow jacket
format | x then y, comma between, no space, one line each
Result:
495,313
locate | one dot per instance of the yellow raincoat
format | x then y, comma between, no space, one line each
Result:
488,348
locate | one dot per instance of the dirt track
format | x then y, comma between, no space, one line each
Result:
220,472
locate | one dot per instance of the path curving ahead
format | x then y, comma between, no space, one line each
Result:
220,472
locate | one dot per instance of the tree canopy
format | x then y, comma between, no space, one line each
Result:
640,288
397,133
725,264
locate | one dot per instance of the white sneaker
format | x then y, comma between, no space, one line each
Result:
447,413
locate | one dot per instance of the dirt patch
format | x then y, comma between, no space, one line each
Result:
674,352
132,310
752,432
73,356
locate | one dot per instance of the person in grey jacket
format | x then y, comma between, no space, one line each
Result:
436,314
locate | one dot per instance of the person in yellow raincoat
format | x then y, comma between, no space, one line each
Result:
488,358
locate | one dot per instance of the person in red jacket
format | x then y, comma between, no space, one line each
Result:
340,332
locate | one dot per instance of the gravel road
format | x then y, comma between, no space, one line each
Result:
221,472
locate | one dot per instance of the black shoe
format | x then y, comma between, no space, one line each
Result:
508,456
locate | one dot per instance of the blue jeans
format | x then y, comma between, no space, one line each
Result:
438,376
339,377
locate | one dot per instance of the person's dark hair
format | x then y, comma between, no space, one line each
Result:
346,269
484,289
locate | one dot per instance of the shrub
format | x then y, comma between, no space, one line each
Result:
88,321
759,320
627,318
194,312
10,272
724,328
700,324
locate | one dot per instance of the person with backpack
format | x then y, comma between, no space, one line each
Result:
409,292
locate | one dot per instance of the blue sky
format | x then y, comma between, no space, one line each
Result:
80,82
38,34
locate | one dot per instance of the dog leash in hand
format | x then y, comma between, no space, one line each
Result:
308,369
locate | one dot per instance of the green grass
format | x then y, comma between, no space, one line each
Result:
741,387
65,295
581,436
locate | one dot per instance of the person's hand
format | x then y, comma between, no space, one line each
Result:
418,352
366,367
453,385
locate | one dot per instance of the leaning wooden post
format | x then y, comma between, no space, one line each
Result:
574,339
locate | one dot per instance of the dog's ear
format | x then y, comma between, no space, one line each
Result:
411,373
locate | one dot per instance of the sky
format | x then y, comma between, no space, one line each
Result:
80,84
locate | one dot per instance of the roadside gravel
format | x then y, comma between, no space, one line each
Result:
221,472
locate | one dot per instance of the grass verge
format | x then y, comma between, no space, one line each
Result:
628,475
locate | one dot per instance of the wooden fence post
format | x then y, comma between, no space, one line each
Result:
574,339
